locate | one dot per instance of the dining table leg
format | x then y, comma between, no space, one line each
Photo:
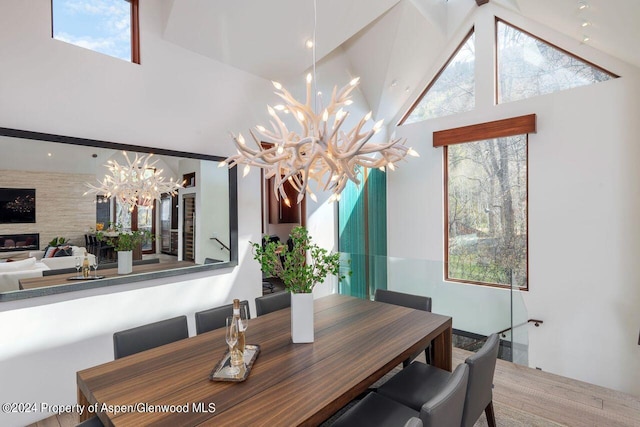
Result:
83,403
443,350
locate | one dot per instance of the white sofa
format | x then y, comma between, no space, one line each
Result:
12,272
57,263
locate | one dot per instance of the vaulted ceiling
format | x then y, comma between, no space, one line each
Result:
391,44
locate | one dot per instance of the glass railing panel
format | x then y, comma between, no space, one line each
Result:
477,311
519,334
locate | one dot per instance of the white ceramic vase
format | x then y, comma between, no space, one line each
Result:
302,318
125,262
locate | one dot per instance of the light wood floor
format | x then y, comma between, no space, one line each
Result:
525,397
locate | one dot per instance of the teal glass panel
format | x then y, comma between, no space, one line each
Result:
351,210
363,235
377,229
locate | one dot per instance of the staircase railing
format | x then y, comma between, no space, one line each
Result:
535,322
223,246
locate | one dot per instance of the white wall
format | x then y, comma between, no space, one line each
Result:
174,100
213,212
584,205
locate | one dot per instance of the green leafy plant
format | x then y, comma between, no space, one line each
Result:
125,240
58,241
291,266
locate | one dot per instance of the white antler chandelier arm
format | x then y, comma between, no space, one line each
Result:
136,182
322,152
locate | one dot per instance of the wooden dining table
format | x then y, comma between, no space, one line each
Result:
356,342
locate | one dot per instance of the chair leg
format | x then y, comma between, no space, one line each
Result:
491,418
427,354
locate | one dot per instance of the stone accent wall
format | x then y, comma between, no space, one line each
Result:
61,209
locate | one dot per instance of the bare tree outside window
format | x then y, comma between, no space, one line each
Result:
487,211
528,66
453,90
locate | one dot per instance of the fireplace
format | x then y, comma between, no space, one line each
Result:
19,242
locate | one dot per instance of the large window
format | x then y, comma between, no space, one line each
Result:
487,211
105,26
528,66
486,202
452,90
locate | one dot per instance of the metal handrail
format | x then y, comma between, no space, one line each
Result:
221,244
535,322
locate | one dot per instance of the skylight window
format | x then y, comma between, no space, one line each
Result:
106,26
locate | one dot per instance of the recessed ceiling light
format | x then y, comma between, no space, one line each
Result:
585,23
406,89
582,5
309,44
394,83
585,39
49,154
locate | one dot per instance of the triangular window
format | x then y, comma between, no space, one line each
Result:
529,66
452,90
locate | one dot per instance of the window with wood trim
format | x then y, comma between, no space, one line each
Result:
453,88
486,180
110,27
529,66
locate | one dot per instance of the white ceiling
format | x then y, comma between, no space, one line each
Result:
267,38
45,156
614,26
391,44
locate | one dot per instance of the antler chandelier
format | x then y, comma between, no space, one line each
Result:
136,183
322,151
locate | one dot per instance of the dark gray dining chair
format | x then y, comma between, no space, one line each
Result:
416,302
215,318
416,383
272,302
91,422
87,244
149,336
413,422
100,249
443,409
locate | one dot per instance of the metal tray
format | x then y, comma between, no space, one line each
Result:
220,372
85,278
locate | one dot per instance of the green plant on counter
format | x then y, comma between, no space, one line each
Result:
291,266
125,240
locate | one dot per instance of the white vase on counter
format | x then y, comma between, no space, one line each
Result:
302,317
125,262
